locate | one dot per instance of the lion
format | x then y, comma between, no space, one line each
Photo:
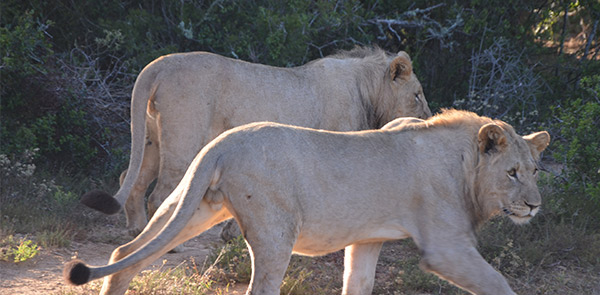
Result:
182,101
313,192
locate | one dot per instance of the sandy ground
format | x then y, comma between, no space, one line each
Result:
43,273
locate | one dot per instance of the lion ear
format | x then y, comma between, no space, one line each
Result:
537,142
401,66
491,138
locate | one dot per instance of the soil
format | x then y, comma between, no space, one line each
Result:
43,273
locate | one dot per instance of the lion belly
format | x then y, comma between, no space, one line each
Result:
321,240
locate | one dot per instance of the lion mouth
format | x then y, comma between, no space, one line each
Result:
516,218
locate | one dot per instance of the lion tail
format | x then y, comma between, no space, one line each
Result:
142,102
203,174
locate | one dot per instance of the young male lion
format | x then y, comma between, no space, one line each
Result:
180,102
312,192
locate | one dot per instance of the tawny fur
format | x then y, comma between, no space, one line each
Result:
312,192
182,101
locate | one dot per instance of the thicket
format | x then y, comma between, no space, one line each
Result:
67,69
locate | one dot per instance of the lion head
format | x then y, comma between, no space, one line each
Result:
386,82
407,87
507,172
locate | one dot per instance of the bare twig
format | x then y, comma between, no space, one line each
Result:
501,86
105,94
418,19
589,41
564,29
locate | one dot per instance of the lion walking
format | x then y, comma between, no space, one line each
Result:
180,102
313,192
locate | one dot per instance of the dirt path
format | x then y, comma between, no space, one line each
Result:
43,273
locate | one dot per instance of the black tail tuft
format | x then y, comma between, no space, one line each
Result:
76,273
101,201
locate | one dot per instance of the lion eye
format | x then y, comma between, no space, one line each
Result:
417,98
512,173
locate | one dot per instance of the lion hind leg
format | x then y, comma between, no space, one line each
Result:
177,149
165,184
135,206
269,263
360,261
466,269
203,219
77,273
156,224
117,281
270,239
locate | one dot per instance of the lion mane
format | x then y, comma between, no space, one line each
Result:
312,192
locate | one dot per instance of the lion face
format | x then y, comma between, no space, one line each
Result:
407,89
524,199
411,99
508,171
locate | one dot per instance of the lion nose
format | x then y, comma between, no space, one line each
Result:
426,111
532,206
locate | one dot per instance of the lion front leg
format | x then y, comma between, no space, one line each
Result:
360,261
464,267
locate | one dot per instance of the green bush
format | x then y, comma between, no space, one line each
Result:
577,148
37,112
68,75
271,32
25,52
19,250
30,203
24,46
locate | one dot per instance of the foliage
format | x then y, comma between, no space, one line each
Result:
61,135
295,282
24,47
19,250
17,178
71,72
25,52
33,204
37,111
272,32
577,148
